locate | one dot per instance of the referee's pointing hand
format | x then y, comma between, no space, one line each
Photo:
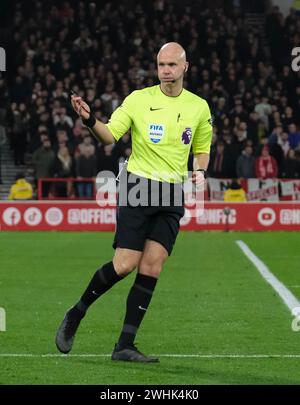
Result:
82,109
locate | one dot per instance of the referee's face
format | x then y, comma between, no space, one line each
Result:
171,63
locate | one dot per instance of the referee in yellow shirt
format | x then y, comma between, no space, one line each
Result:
165,121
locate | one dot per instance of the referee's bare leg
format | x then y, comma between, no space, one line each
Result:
123,263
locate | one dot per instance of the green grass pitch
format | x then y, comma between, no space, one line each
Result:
210,300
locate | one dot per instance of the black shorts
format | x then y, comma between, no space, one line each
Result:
136,224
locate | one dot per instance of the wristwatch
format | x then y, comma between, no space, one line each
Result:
203,171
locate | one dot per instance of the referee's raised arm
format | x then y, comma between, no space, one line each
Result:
99,130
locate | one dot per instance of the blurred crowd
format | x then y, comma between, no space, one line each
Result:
104,50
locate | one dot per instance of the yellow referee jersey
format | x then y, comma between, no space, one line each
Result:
163,129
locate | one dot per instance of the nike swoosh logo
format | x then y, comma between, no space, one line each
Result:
94,292
154,109
143,309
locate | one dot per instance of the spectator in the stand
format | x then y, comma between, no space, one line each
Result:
241,135
253,127
86,168
108,158
245,166
277,153
235,192
275,119
62,121
219,165
239,111
107,98
231,150
2,143
123,147
261,131
265,165
43,137
264,109
275,135
262,142
20,126
21,189
4,99
77,138
63,168
20,89
283,141
38,137
83,42
291,166
87,145
42,160
288,117
62,139
221,107
294,136
249,77
275,147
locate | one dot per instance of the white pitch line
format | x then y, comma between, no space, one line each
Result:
200,356
287,297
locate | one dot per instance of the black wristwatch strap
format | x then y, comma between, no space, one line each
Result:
90,122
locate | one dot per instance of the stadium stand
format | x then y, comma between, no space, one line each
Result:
240,56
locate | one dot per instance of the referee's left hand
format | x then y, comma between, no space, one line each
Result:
198,179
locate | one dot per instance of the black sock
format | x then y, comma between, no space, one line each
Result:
138,300
101,282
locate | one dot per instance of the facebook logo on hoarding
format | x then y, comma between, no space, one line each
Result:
2,60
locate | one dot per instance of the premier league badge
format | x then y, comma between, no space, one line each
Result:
186,136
